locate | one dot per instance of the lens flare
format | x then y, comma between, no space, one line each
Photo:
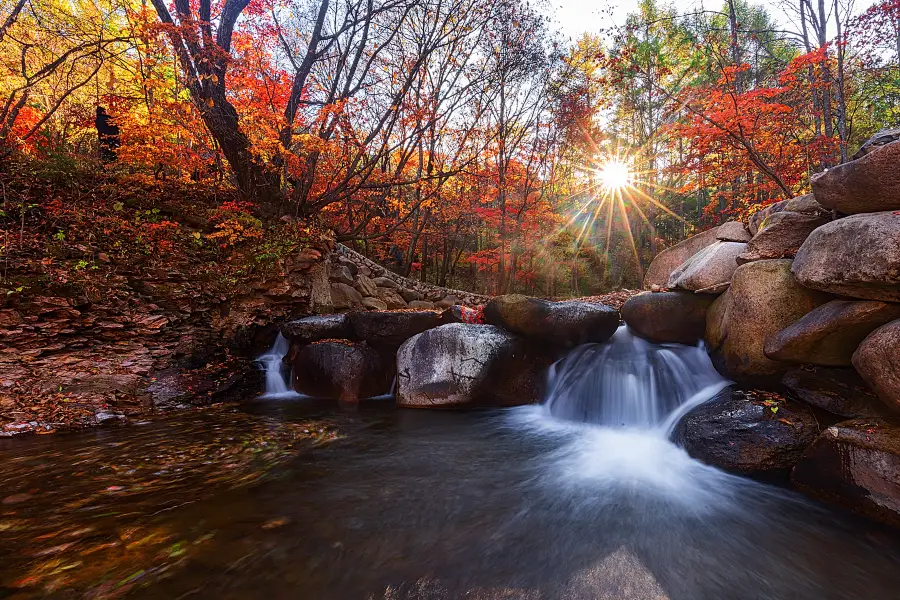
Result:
614,175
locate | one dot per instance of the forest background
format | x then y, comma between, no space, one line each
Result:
459,142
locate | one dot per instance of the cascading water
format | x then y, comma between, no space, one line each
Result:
630,382
272,363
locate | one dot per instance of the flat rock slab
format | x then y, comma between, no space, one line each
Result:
857,256
664,317
733,231
869,184
841,392
878,362
562,324
856,465
386,330
829,334
319,327
709,269
747,432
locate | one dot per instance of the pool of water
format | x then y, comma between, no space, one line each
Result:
296,499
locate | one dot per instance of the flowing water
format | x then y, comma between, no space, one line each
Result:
582,497
278,378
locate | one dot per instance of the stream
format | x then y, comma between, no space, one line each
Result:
294,498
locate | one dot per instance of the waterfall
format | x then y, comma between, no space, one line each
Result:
272,363
630,382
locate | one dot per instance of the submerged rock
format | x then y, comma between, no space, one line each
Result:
319,327
461,365
747,432
867,184
667,316
856,465
709,269
857,256
386,330
563,324
346,371
841,392
829,334
671,258
878,361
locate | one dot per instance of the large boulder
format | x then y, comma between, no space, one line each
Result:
829,334
462,365
341,274
856,465
563,324
878,362
732,231
709,270
857,256
780,236
806,205
868,184
671,258
319,327
386,330
344,296
763,299
667,316
365,286
346,371
391,297
882,138
841,392
747,431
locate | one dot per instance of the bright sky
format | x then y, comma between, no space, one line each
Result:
577,16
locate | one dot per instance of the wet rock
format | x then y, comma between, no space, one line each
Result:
710,268
346,371
781,236
841,392
386,330
829,334
747,432
344,296
667,316
882,138
341,274
563,324
671,258
868,184
856,465
461,365
391,298
763,299
319,327
386,282
365,286
374,304
733,231
857,256
878,362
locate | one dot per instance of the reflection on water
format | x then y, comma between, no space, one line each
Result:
412,504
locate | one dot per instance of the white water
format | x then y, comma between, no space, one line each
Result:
277,377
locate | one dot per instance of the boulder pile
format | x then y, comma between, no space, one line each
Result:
809,306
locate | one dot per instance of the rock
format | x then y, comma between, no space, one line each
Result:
856,465
882,138
780,236
867,184
386,282
667,316
732,231
805,204
829,334
857,256
461,314
878,362
320,300
366,286
374,304
320,327
341,274
671,258
391,298
343,296
839,391
349,265
747,432
763,299
563,324
447,302
462,365
346,371
712,267
411,295
422,305
387,330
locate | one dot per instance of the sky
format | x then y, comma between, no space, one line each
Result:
577,16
